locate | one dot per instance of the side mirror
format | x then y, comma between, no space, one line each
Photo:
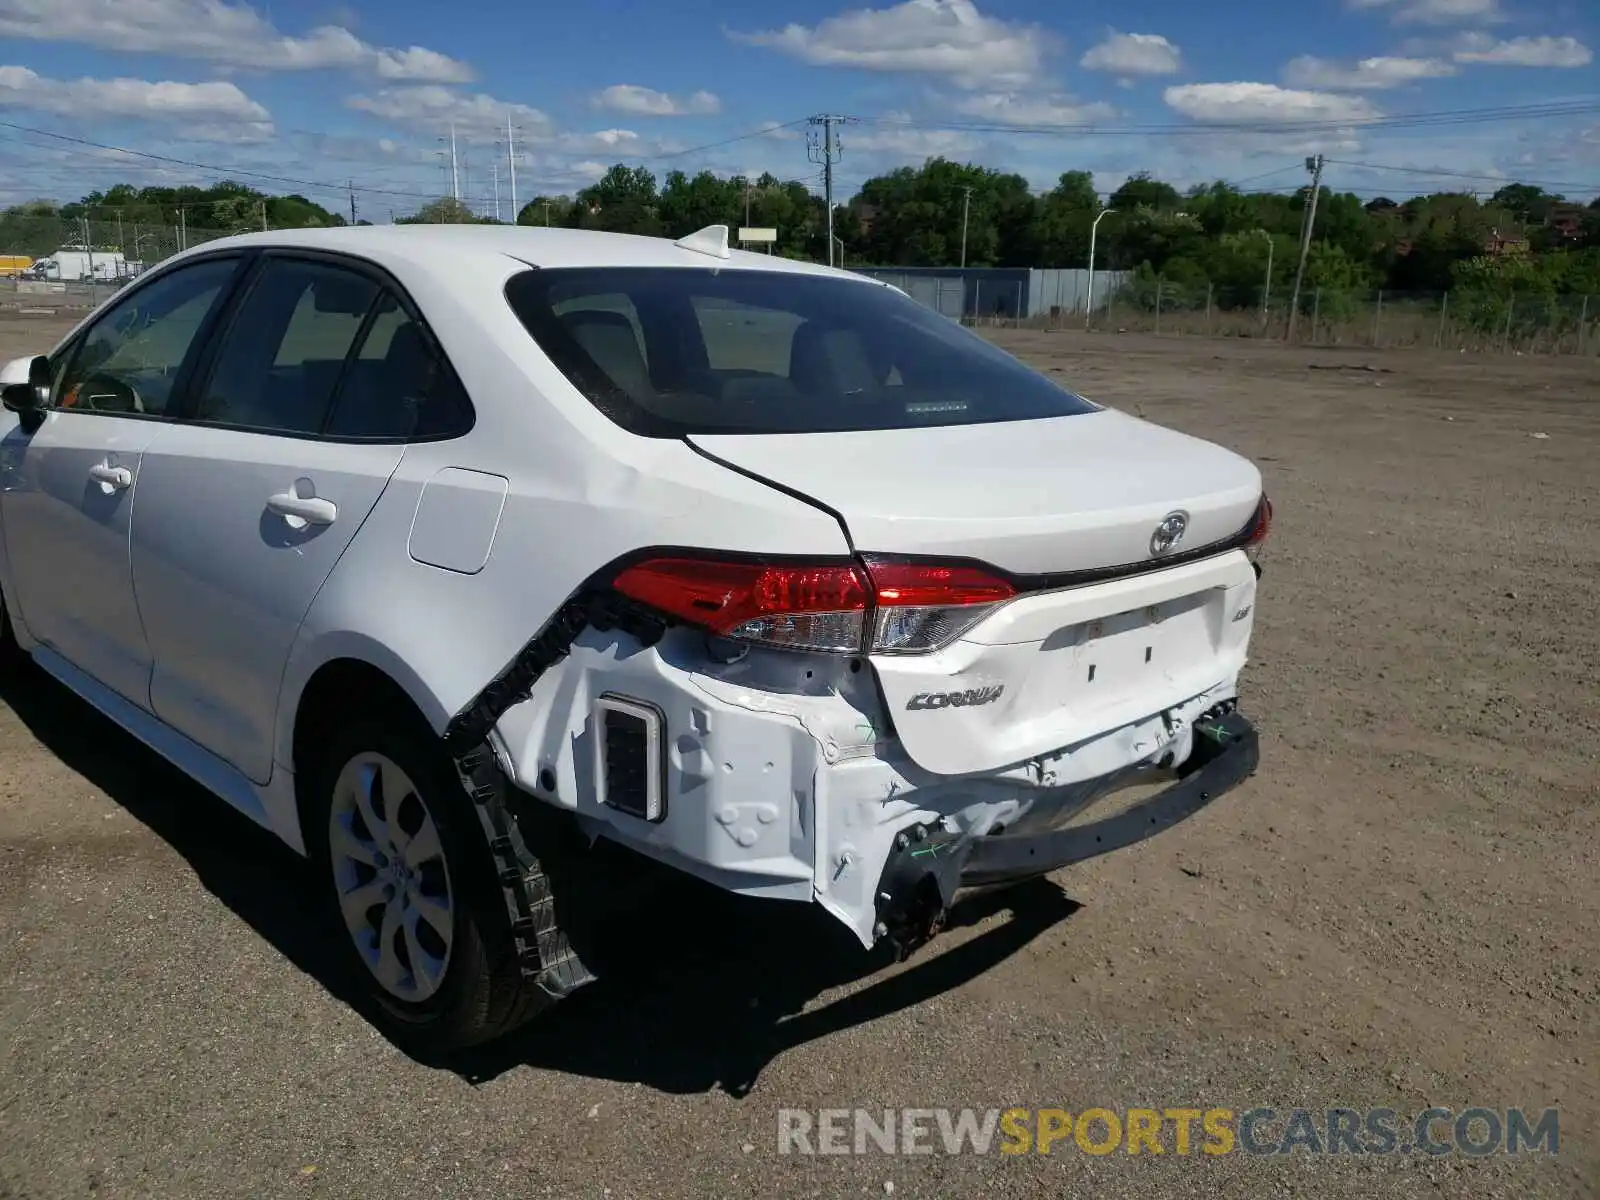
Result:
30,398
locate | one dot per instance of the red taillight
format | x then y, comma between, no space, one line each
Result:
880,607
1260,526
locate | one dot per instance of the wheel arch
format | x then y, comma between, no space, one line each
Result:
315,685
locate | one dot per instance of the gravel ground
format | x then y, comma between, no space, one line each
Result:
1400,910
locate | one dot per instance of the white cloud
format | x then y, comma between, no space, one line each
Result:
1436,12
1011,108
212,111
1133,54
1526,52
647,102
1264,104
616,143
935,37
216,31
1369,74
436,108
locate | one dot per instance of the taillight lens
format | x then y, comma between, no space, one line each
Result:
1260,526
805,607
920,607
873,607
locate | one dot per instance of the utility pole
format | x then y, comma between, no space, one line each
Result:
183,229
263,216
547,214
824,149
352,202
511,162
496,174
966,208
1314,165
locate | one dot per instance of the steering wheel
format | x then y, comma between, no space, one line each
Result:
108,393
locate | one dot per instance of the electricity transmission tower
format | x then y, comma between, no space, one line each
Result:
823,148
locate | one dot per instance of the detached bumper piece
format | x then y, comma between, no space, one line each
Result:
929,865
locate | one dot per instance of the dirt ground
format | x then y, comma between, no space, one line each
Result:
1402,909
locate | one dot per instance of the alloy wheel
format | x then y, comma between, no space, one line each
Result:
391,876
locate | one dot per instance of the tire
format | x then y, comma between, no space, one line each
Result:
469,988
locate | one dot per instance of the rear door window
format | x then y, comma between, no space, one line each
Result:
285,348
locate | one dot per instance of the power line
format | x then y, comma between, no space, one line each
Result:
764,131
334,187
1236,183
1441,172
318,185
1466,116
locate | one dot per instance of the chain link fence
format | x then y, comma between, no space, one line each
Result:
54,262
1502,322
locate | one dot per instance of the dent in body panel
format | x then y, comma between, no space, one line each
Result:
458,514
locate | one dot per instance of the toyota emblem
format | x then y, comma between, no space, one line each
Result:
1169,533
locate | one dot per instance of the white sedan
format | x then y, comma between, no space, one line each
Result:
449,554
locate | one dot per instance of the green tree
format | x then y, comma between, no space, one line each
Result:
446,210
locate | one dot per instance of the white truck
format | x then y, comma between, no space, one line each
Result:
72,266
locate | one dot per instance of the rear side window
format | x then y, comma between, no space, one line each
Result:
398,385
666,352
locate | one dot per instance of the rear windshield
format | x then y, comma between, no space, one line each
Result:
670,351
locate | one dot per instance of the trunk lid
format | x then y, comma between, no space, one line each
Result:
1037,497
1057,665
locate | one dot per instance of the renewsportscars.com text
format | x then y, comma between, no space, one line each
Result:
1474,1132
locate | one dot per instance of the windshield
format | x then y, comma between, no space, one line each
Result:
670,351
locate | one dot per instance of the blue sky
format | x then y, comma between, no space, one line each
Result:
324,92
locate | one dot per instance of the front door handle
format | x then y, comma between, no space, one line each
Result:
301,511
114,477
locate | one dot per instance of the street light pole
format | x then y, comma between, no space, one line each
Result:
1094,229
966,207
1266,290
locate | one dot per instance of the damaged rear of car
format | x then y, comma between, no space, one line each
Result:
1034,602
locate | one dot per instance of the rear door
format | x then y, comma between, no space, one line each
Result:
246,505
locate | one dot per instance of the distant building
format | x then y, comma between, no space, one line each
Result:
986,293
1498,243
1566,221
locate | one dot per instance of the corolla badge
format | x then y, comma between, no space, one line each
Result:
1169,533
967,699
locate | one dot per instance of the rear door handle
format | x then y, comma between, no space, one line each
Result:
115,477
307,510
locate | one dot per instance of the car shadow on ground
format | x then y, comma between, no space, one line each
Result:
698,990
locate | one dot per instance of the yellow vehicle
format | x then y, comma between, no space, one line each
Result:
12,265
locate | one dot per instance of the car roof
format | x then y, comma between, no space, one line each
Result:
442,247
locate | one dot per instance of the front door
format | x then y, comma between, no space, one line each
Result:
70,484
245,506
